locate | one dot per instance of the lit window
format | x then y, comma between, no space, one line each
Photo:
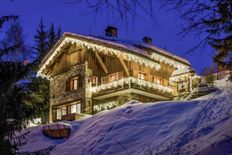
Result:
64,111
94,81
114,77
76,108
58,114
73,108
142,76
157,80
72,84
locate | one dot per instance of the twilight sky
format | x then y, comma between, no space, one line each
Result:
79,19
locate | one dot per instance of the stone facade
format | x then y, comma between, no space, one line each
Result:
58,92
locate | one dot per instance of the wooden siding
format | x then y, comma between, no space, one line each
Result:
68,59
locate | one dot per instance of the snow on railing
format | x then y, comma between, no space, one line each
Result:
130,80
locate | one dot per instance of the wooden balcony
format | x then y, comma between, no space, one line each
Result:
112,77
132,82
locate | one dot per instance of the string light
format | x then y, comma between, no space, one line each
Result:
100,48
166,60
179,78
129,80
127,56
105,106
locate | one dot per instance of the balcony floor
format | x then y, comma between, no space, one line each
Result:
135,91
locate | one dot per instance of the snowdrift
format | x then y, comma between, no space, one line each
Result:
201,126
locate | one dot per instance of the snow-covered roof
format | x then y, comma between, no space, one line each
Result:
165,52
183,71
132,47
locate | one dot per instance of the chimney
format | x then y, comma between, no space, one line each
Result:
111,31
147,40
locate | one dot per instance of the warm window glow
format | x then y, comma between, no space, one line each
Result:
64,111
157,80
72,84
94,81
142,76
73,108
76,108
114,77
58,114
75,84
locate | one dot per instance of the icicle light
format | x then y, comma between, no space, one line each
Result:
166,60
129,80
100,48
179,78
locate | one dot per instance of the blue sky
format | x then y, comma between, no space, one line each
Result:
78,18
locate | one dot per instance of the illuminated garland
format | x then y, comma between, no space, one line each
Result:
104,106
128,80
100,48
179,78
166,60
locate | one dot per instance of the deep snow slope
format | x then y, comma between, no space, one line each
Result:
201,126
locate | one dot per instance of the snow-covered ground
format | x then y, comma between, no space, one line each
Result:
202,126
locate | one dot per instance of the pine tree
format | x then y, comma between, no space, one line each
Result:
51,36
220,28
39,86
20,102
15,108
14,36
40,38
58,34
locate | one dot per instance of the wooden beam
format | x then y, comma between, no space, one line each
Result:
74,48
101,62
124,66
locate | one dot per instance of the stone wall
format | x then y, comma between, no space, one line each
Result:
58,91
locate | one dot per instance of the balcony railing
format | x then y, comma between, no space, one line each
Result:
130,81
109,78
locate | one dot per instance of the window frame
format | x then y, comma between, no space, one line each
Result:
116,75
58,114
96,80
63,108
77,109
155,79
144,75
72,84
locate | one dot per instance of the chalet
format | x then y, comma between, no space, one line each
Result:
89,74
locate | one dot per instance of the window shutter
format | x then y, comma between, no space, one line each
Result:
80,81
68,85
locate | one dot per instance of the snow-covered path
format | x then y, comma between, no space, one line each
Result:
201,126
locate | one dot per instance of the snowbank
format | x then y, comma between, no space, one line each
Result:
202,126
